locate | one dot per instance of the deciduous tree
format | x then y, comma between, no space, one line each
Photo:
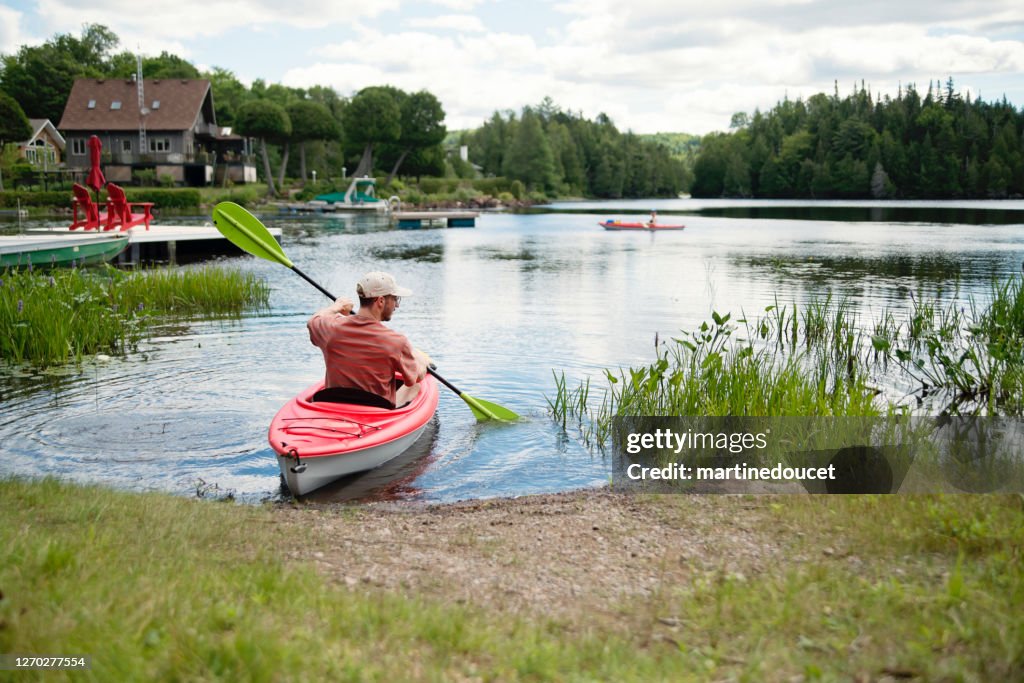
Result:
422,126
42,75
310,121
267,121
373,117
14,125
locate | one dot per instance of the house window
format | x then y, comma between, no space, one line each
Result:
39,152
116,104
159,145
92,104
78,146
126,146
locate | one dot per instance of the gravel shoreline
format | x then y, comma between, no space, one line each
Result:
573,556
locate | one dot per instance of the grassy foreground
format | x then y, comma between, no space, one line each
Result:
155,587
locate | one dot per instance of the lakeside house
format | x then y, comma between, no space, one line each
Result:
173,132
45,148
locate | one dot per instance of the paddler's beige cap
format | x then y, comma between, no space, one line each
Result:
379,284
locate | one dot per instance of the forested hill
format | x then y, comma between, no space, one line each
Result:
561,153
942,145
682,145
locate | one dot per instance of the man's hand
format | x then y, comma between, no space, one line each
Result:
342,305
425,359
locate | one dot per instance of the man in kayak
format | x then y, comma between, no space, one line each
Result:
653,220
362,355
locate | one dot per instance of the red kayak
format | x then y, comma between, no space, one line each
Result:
317,443
619,225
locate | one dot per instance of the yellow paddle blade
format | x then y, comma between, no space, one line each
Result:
247,233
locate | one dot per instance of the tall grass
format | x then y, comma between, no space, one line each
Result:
62,315
713,372
818,359
209,290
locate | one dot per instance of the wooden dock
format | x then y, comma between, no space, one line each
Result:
458,218
172,244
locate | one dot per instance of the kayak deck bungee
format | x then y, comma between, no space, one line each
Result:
619,225
319,442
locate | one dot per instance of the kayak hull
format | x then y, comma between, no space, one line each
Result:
619,225
318,443
45,250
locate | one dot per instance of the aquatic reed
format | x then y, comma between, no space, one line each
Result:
52,318
818,359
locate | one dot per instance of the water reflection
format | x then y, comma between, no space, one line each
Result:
883,214
921,268
432,253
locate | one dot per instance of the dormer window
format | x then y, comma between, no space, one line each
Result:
156,104
92,104
116,104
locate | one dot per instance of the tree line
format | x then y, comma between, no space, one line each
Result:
378,127
556,152
942,145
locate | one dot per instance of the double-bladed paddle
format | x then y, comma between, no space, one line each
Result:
247,233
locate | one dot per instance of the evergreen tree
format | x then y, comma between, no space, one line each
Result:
942,145
529,157
881,186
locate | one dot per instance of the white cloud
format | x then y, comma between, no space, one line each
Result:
708,60
471,76
457,5
649,64
9,29
465,23
12,35
652,69
169,21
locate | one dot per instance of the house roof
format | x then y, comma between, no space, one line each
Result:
173,104
38,126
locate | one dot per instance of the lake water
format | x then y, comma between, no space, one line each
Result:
499,307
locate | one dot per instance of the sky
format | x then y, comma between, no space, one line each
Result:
650,65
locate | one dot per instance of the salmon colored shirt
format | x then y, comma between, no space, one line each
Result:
362,353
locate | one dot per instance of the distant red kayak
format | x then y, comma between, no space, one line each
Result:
619,225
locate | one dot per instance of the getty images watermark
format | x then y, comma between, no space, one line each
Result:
896,454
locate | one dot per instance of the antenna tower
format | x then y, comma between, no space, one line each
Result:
142,104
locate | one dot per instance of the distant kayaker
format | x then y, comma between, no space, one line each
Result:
360,352
653,220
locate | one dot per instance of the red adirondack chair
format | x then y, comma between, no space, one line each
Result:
120,210
91,213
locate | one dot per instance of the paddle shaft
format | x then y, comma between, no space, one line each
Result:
314,283
330,296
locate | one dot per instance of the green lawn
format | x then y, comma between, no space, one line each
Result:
156,587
